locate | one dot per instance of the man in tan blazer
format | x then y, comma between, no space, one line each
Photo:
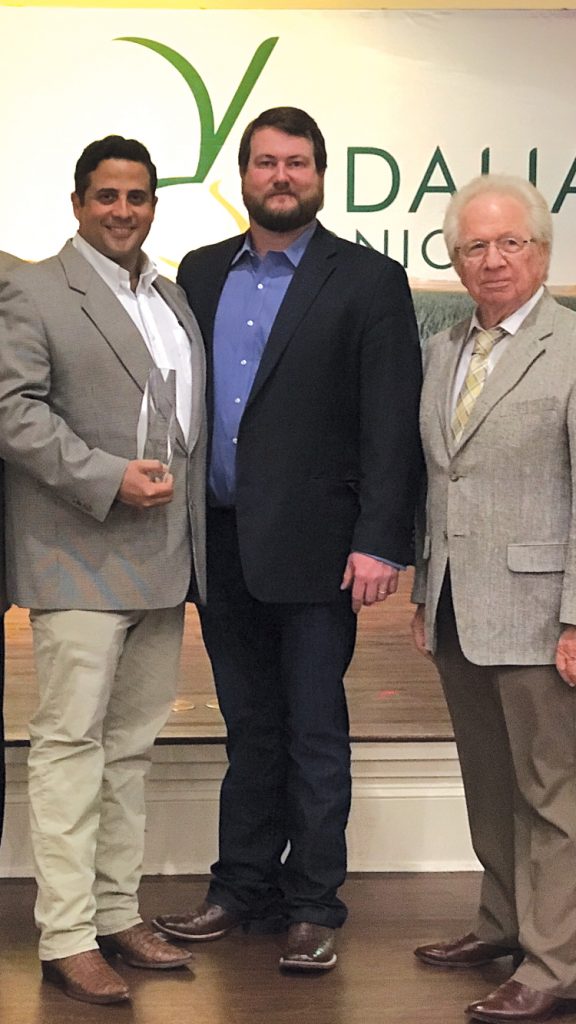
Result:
7,262
496,589
101,547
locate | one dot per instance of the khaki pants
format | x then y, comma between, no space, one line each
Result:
106,682
515,728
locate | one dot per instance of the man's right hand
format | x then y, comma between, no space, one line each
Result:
146,484
419,632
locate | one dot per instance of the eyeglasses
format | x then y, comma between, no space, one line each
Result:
507,246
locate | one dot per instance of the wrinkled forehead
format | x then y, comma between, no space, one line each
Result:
494,214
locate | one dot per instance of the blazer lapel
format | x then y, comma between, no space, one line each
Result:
456,341
316,266
524,348
207,283
108,315
187,321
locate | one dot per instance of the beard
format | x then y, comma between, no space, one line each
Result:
300,214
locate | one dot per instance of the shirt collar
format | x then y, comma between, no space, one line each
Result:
293,253
115,276
511,324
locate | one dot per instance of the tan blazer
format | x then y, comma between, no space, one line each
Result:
7,262
73,368
500,501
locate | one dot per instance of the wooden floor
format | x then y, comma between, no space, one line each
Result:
393,692
237,981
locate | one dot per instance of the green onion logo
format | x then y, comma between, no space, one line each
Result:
211,138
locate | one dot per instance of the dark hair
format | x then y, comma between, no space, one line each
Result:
113,147
291,120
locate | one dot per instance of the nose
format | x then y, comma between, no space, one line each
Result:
280,172
493,257
121,208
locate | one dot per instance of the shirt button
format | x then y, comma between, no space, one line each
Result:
237,401
234,440
243,362
260,287
250,323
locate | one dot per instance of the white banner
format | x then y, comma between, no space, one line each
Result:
412,104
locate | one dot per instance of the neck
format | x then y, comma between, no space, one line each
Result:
488,319
492,314
265,241
134,271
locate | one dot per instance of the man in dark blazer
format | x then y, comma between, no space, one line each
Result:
7,262
314,370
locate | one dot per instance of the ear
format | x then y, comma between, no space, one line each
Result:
458,267
76,204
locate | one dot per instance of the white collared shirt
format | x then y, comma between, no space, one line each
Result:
511,325
166,341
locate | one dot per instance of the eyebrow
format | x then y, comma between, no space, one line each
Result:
275,156
109,190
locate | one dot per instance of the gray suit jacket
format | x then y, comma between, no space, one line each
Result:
7,262
500,504
73,368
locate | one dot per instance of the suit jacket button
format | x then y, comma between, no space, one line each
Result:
454,475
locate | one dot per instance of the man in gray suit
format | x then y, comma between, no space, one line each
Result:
101,547
496,589
7,262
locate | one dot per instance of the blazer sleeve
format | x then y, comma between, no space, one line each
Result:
32,435
568,604
389,441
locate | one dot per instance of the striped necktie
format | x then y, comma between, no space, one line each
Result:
475,378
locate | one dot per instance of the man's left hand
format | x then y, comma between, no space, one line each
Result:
566,655
369,580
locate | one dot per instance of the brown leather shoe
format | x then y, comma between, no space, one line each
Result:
310,947
208,922
140,947
87,977
513,1001
469,951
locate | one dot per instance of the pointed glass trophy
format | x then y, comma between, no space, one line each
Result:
157,426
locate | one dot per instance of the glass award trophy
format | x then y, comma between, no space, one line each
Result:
157,425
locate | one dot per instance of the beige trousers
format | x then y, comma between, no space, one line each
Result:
106,682
515,728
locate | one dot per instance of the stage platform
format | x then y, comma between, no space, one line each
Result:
408,811
393,693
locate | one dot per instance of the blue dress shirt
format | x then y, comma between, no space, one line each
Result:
250,300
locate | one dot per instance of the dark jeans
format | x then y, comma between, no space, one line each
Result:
278,670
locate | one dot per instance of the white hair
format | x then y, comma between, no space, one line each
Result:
539,216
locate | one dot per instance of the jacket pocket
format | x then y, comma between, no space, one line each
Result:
536,557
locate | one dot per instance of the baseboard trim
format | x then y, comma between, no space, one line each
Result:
408,811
